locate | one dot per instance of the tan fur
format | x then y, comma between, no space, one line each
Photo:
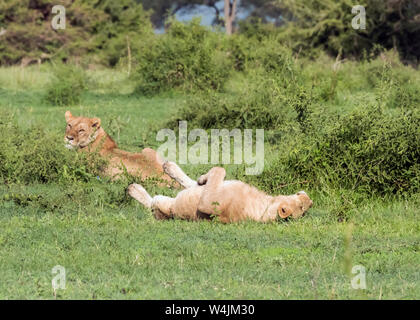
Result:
86,134
229,200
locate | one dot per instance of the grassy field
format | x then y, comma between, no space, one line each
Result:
111,247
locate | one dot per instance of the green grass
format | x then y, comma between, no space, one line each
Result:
113,248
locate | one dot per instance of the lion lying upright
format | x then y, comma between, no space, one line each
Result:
86,134
211,195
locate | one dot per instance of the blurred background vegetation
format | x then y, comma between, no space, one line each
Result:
104,31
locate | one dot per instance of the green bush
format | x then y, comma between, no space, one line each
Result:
37,155
266,54
185,58
263,103
368,150
405,97
239,51
274,58
254,28
396,88
67,85
270,96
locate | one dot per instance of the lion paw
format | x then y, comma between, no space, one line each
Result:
202,180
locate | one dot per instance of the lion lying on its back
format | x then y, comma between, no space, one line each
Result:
212,195
86,134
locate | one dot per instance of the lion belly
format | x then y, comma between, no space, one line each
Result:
186,203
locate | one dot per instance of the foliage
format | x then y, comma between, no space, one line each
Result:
127,27
96,27
186,58
67,85
369,151
327,24
106,31
262,103
265,53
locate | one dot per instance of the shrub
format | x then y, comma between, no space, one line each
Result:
185,58
274,58
255,28
266,54
406,97
263,103
367,150
239,51
396,88
67,85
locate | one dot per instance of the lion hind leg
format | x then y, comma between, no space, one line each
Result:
212,181
162,207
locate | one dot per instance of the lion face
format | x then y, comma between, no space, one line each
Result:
80,131
304,204
295,205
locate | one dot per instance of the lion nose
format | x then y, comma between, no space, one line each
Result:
69,138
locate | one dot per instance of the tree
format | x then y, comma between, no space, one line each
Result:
162,9
100,27
264,11
327,24
230,15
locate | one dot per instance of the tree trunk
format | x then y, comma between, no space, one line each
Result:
230,14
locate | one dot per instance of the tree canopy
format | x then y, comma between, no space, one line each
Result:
92,26
106,30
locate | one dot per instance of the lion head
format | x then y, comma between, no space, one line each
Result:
294,205
80,131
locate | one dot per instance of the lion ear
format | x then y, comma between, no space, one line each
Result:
96,123
284,211
68,116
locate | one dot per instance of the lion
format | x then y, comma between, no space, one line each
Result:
87,135
212,196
